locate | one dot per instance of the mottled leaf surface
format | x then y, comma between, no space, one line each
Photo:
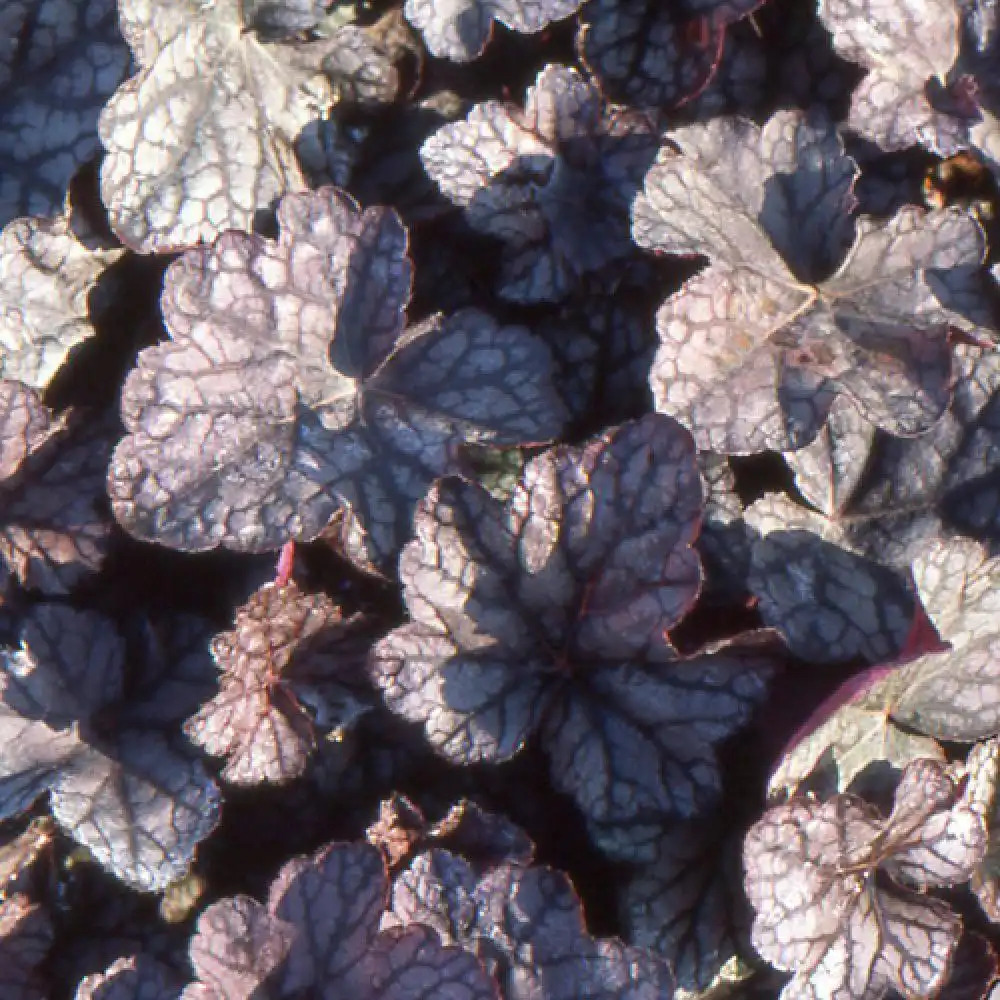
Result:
134,802
810,874
648,53
26,935
203,136
290,388
908,47
319,936
954,694
292,671
60,60
818,583
683,905
459,29
550,616
51,482
46,276
526,924
857,735
137,977
983,767
552,182
802,301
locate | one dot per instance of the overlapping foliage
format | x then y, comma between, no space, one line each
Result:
626,419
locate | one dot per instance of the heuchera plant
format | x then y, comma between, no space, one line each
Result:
552,182
548,617
802,302
822,913
638,499
292,387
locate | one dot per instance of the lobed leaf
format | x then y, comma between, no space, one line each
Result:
551,616
290,671
289,389
203,136
768,324
810,874
46,276
319,936
459,30
51,533
552,182
59,61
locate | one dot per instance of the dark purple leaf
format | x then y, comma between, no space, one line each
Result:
683,905
828,597
767,325
26,935
68,667
140,808
552,615
334,403
810,871
59,62
52,470
436,889
602,341
319,936
137,977
137,805
526,925
460,31
360,68
552,182
647,53
292,670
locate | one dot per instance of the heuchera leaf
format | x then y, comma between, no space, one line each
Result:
802,302
550,616
459,29
983,767
827,596
203,136
134,802
854,737
525,924
908,48
136,977
290,387
482,837
51,481
26,935
59,62
821,913
880,501
46,276
953,694
292,670
319,936
649,53
685,905
553,181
